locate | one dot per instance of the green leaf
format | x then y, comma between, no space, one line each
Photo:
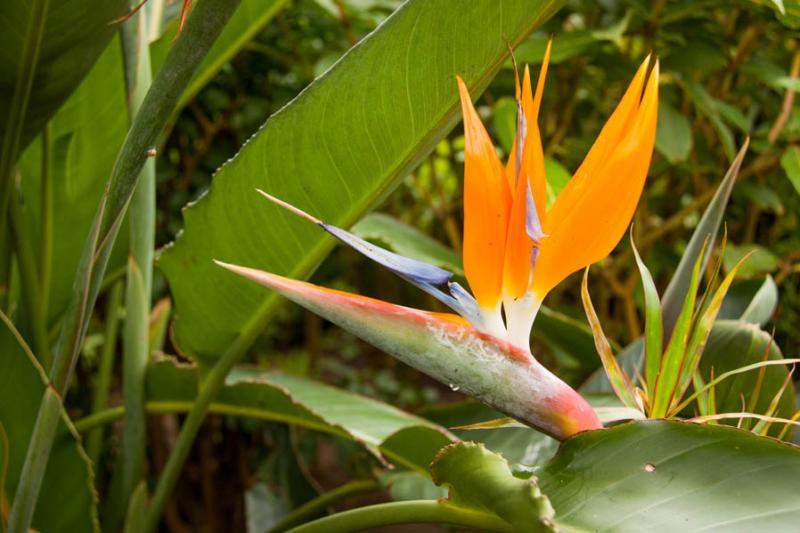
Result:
482,479
54,42
674,135
250,17
557,177
250,392
665,476
68,501
707,105
392,97
653,333
761,260
406,240
705,232
762,305
505,121
86,134
790,161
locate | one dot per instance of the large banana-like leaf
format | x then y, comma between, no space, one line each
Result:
673,476
85,135
335,151
53,44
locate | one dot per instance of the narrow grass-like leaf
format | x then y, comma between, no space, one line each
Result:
616,375
653,332
699,336
675,354
763,426
726,375
703,235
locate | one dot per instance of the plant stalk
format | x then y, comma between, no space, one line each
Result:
136,346
202,28
30,281
94,439
46,230
409,512
209,388
319,504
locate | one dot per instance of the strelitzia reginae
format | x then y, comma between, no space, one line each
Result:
515,251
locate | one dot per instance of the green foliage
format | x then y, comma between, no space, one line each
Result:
48,47
646,476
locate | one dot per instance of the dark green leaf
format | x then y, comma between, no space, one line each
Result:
665,476
68,36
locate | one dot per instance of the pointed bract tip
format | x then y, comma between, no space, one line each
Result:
289,207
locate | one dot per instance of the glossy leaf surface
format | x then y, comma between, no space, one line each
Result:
654,475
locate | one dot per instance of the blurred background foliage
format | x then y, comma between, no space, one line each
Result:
729,71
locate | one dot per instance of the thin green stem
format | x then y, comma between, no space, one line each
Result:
202,28
142,222
29,279
319,504
46,230
410,512
209,388
103,385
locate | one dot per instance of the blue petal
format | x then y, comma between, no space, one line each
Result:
411,269
533,225
418,273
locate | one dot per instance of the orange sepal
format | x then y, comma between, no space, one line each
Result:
591,214
487,202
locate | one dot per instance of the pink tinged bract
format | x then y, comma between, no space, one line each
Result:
447,348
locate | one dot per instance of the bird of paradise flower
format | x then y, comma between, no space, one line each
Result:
515,251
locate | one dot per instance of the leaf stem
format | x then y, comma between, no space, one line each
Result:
319,504
138,289
100,400
202,28
30,281
408,512
209,388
